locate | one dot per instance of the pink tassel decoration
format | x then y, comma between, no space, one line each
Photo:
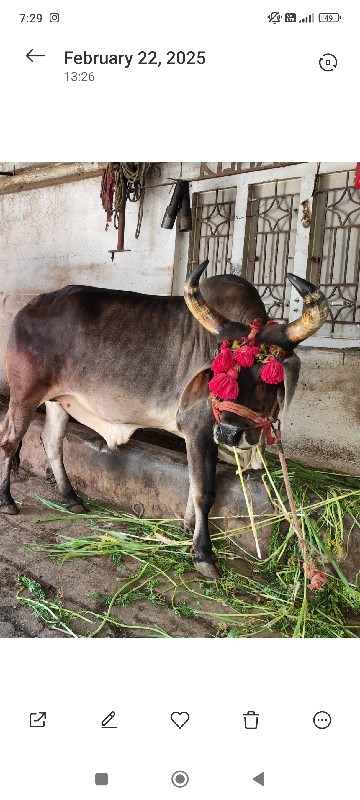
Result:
224,385
245,355
223,361
272,371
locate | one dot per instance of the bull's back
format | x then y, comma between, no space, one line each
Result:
88,340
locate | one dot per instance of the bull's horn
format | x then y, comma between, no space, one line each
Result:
212,320
312,318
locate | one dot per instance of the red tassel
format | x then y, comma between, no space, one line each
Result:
272,371
223,361
316,577
225,343
233,373
224,385
245,356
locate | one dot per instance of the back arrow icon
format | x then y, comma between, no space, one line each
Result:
30,55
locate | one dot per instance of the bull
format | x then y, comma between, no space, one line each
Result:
117,361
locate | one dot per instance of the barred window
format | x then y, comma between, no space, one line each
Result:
212,234
270,237
334,252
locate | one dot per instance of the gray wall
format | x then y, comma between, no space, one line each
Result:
323,424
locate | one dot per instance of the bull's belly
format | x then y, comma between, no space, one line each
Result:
114,431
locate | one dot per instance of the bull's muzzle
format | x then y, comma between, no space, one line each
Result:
236,437
230,435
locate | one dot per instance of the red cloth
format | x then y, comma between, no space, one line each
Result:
357,176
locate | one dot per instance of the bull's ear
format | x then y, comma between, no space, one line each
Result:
286,389
196,389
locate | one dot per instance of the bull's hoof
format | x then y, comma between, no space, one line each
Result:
209,571
9,508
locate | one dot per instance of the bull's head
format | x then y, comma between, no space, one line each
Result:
253,393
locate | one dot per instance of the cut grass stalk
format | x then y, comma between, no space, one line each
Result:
248,503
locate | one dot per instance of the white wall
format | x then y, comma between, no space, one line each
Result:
55,235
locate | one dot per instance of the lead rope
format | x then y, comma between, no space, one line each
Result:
295,519
317,578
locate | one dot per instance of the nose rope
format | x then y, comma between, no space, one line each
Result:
264,423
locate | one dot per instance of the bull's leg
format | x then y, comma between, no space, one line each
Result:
52,436
189,519
16,460
15,425
202,457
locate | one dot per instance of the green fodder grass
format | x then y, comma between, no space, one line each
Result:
252,597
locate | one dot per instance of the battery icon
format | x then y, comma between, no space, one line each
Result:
329,17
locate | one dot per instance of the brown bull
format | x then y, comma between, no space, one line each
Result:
117,361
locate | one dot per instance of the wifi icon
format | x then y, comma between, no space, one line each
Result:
309,18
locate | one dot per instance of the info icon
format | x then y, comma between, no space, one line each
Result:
290,17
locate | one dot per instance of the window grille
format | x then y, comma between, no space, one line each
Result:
269,247
334,252
212,234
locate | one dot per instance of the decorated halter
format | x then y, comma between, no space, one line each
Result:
235,356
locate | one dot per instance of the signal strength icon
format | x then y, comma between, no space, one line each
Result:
310,18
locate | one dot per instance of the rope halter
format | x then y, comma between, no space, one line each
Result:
265,423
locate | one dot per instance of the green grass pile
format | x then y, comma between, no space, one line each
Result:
252,596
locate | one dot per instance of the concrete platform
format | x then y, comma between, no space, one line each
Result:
144,478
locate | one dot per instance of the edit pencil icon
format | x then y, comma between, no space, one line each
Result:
106,721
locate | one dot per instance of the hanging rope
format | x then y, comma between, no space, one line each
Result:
122,181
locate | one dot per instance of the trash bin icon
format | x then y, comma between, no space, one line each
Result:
251,719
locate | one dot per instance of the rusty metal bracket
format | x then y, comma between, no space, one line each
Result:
121,234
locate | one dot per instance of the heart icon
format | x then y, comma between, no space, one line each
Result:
180,718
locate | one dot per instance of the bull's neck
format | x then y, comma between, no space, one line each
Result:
204,346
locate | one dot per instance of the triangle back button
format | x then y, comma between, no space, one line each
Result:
260,779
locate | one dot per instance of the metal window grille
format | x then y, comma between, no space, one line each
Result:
269,248
212,234
334,253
